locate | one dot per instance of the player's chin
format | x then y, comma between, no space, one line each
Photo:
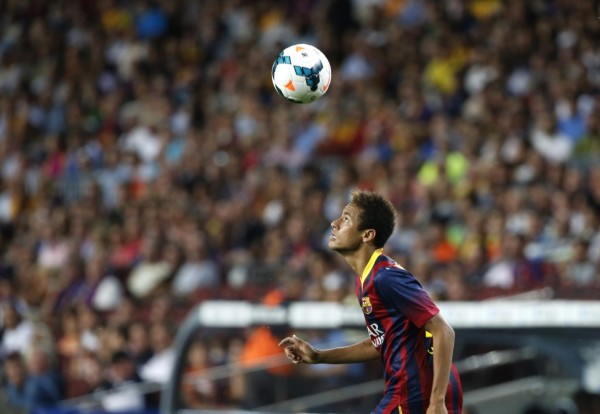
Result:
336,247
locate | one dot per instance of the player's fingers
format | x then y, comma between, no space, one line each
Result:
287,342
293,352
295,358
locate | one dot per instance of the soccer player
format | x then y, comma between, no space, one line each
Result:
402,321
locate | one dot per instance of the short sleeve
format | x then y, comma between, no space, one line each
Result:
400,290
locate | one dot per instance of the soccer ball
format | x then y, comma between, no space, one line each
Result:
301,73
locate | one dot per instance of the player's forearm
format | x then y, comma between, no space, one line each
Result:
443,343
359,352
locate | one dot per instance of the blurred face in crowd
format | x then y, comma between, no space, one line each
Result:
92,371
94,269
159,336
87,318
123,369
138,338
580,250
116,338
15,371
150,249
512,246
11,316
198,355
38,362
6,288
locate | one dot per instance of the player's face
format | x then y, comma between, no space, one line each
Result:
345,236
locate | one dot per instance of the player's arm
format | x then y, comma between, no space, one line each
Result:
298,350
443,343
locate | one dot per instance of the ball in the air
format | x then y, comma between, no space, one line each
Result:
301,73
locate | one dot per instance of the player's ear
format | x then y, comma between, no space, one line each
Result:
368,235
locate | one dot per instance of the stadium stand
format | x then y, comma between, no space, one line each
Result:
148,166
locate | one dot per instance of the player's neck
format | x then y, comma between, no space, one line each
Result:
358,259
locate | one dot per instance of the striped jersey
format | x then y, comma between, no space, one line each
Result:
396,308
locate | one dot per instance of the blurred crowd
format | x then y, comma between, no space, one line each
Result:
146,164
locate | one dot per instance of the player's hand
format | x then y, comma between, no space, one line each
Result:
299,351
437,408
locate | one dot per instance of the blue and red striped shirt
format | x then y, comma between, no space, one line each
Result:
396,309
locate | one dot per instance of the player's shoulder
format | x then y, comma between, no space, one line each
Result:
395,278
389,268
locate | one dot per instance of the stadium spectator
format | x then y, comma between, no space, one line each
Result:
104,291
198,271
138,344
89,325
151,272
68,344
43,387
16,376
265,385
9,295
122,394
579,270
197,392
18,330
85,375
512,270
158,367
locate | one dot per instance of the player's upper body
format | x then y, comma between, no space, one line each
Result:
396,309
398,313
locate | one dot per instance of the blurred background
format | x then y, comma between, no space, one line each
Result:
147,167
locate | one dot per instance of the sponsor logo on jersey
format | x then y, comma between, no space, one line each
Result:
376,334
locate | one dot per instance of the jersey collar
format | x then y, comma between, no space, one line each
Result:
367,271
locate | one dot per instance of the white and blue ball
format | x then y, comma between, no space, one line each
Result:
301,73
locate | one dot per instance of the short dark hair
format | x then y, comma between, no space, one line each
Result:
377,213
15,357
120,356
